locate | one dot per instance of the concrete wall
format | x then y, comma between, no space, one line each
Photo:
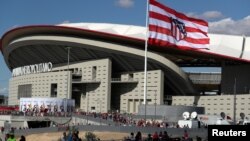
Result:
214,105
94,78
41,85
131,99
170,113
97,95
97,84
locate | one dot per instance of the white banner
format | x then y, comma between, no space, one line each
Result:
46,105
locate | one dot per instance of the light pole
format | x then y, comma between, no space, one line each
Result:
235,101
100,104
67,93
87,108
100,111
155,105
65,109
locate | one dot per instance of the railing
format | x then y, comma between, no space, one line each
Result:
205,78
76,74
124,80
86,80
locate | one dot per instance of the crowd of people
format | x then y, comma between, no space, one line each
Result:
71,136
118,118
129,120
11,137
159,136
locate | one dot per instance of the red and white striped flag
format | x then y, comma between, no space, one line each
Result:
168,27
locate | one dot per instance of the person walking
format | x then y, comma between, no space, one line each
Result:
22,138
185,136
138,136
11,137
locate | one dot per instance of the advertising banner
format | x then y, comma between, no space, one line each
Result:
46,105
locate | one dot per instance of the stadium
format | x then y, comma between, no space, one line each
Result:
101,67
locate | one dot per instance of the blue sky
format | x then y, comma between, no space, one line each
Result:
224,16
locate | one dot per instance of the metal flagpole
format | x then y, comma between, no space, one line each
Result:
145,62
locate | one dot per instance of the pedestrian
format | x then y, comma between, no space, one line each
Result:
138,136
22,138
11,137
155,137
185,136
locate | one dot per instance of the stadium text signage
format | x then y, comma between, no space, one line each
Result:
37,68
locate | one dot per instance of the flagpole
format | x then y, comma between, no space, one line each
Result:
146,62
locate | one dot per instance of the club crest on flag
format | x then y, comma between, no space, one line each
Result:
170,28
178,29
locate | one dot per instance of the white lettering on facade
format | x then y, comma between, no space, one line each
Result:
31,69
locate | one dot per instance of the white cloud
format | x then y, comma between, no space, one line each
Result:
212,15
125,3
65,22
208,15
230,26
3,90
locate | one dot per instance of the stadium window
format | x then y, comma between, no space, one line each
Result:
53,90
24,90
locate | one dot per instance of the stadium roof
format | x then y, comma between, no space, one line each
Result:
227,48
123,44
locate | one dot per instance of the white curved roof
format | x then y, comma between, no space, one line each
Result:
138,32
226,45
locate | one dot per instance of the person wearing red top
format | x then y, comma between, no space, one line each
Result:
155,137
185,135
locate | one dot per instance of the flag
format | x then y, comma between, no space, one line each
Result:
168,27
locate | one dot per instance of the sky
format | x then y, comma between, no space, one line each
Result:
224,16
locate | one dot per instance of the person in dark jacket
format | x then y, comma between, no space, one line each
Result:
138,136
22,138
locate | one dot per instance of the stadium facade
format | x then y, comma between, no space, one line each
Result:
101,66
